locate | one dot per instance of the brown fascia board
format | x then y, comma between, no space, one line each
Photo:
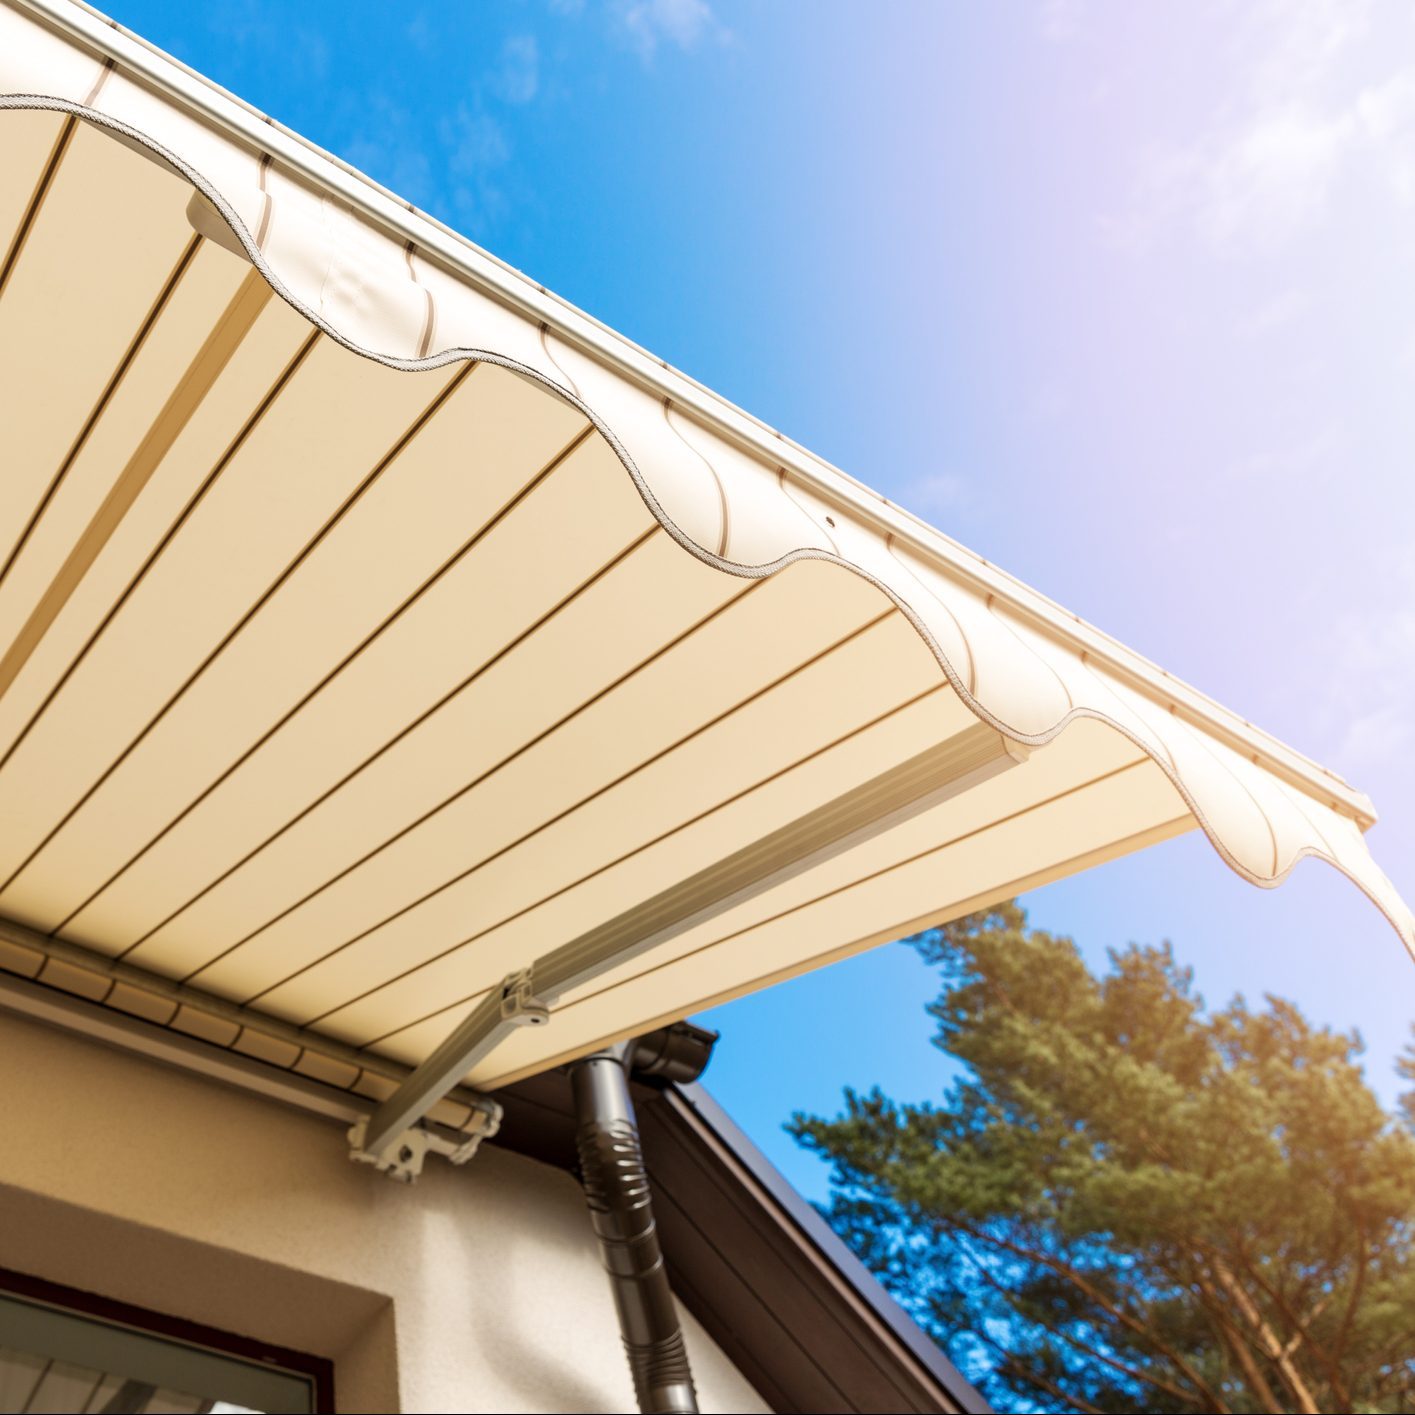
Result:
880,1324
784,1298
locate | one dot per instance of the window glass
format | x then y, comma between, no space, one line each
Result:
62,1361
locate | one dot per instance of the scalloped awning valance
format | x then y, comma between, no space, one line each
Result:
372,622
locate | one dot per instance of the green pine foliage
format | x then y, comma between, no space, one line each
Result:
1131,1203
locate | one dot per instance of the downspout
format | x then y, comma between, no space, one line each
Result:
621,1207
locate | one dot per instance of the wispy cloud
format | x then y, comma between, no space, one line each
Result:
258,25
647,24
1273,174
475,146
1366,685
457,162
419,33
1275,315
1302,462
1058,20
453,164
517,79
934,495
386,146
1291,123
460,160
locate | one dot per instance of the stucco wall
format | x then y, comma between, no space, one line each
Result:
475,1289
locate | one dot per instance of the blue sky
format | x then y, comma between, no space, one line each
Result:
1120,296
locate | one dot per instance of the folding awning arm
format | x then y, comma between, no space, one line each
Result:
526,998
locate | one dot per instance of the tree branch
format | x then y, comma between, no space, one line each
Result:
1301,1331
1273,1348
1126,1319
1236,1343
1035,1378
1343,1334
1178,1392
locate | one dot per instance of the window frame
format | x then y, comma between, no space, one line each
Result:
318,1370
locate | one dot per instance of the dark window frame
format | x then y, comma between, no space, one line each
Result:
319,1370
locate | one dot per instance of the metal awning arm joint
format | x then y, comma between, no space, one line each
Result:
392,1138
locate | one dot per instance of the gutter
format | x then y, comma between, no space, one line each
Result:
57,982
87,1019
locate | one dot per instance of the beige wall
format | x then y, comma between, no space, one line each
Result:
475,1289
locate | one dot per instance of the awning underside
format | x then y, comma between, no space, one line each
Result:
342,690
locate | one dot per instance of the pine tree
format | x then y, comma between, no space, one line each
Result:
1130,1203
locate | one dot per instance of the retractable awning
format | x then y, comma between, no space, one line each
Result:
372,622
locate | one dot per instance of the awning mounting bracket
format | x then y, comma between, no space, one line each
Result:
402,1157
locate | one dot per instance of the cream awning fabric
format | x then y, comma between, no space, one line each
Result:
372,622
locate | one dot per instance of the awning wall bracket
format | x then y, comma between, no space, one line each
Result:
402,1157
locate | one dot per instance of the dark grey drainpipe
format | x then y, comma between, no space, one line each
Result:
621,1207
